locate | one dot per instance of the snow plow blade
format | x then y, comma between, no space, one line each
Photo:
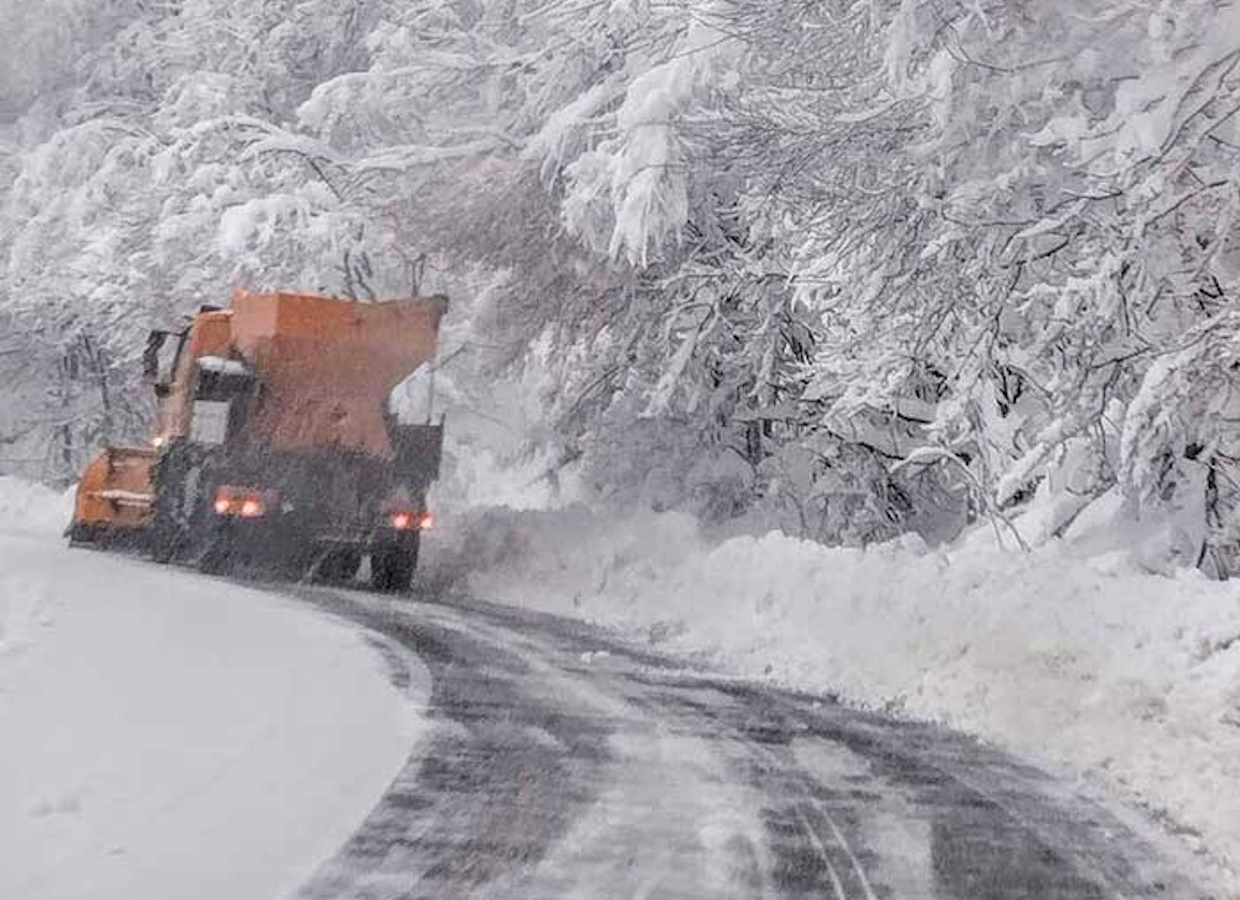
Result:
115,497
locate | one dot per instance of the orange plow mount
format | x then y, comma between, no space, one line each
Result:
115,497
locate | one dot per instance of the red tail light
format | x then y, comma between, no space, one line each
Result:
408,521
243,502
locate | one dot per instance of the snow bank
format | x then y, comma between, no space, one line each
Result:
29,508
1071,660
166,735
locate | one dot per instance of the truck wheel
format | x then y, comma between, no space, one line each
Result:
338,567
176,484
216,558
391,569
213,548
165,541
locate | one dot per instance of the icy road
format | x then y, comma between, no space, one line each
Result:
561,765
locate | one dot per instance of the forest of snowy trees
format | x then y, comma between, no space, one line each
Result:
866,265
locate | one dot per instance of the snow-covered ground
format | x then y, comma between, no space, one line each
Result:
1072,655
166,735
162,730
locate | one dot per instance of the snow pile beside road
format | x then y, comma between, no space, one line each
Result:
29,508
1071,659
167,735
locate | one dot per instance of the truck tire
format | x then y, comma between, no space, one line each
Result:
165,541
391,568
176,497
216,558
338,567
166,538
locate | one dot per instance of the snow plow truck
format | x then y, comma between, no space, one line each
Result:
275,443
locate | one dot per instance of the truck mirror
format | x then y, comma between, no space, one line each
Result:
150,357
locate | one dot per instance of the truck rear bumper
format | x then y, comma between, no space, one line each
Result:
272,538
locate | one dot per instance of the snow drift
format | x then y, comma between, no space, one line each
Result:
30,508
1071,658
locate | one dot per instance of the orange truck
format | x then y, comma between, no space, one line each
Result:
274,442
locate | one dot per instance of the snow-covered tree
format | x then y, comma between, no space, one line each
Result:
866,265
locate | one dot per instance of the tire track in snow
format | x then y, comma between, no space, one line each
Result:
565,761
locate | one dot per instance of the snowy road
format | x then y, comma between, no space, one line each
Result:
561,765
165,735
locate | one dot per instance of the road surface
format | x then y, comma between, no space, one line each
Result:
565,765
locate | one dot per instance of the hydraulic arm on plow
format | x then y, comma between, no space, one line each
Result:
274,442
